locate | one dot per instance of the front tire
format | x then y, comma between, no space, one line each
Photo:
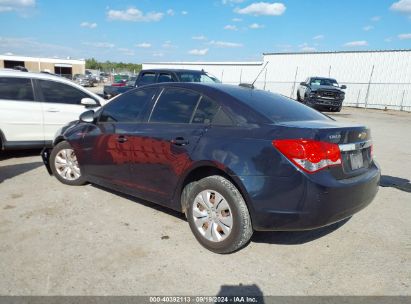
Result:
218,215
64,165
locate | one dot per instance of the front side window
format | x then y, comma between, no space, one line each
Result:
197,77
175,106
13,88
127,107
56,92
164,77
147,78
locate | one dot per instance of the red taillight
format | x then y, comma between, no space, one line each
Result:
309,155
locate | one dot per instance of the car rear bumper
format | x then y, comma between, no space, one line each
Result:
301,203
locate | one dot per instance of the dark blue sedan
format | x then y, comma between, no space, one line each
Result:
233,159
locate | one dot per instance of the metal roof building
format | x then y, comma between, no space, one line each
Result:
63,67
377,79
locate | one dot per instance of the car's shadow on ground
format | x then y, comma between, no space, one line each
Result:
402,184
144,202
270,237
11,171
295,237
19,154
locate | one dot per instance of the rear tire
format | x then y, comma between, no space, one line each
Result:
64,165
217,214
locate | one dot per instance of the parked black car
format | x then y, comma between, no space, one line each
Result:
233,159
160,75
321,93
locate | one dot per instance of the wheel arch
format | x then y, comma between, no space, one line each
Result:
203,170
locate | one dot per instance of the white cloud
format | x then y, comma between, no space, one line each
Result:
90,25
318,37
16,5
102,45
225,44
170,12
231,1
308,49
262,8
168,45
231,27
356,43
32,47
143,45
200,37
198,52
236,19
256,26
388,39
404,36
157,54
184,13
376,18
368,28
126,51
402,6
134,14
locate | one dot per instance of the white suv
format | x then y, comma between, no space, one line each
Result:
33,106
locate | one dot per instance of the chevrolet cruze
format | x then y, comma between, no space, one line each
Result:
233,159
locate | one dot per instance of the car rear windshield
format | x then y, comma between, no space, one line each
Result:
276,107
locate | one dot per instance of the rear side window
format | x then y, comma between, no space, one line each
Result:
127,107
147,78
206,111
56,92
16,89
175,106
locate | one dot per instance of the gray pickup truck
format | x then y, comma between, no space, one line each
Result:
321,93
159,75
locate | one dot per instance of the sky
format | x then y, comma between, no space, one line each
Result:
199,30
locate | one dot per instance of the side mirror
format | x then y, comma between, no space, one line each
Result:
343,87
89,102
303,83
87,116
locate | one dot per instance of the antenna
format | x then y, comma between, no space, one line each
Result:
251,86
260,73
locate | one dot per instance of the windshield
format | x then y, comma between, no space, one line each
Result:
324,82
197,77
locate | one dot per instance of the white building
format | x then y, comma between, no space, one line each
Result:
375,79
64,67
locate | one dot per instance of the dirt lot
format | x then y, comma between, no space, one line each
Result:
61,240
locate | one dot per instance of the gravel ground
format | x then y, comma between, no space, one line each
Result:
61,240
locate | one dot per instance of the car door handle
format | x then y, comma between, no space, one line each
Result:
122,139
179,141
53,110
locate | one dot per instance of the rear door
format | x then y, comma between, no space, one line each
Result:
21,118
61,104
162,147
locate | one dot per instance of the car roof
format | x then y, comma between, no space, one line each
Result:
44,76
173,70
